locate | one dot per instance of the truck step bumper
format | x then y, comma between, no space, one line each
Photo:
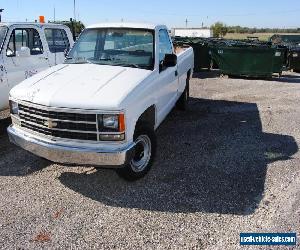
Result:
70,155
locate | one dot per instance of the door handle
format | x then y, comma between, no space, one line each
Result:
176,73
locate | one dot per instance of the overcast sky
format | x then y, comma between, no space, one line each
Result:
252,13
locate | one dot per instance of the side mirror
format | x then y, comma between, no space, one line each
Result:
170,60
23,52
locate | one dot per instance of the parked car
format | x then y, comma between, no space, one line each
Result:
102,106
28,48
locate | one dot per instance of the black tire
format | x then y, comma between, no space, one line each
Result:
131,172
183,100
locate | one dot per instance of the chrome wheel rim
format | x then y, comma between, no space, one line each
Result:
142,153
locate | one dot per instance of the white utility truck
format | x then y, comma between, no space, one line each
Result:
28,48
102,106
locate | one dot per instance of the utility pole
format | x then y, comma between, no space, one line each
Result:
186,22
54,14
1,10
74,10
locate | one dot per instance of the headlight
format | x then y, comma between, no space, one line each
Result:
111,123
111,127
14,108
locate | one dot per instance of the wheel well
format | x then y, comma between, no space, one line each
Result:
148,117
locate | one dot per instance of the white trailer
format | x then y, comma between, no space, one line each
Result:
192,32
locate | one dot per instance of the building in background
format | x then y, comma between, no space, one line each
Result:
192,32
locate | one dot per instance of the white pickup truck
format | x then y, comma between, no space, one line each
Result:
28,48
102,106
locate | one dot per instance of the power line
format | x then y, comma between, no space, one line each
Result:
224,15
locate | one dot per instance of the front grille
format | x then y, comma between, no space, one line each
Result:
58,115
59,124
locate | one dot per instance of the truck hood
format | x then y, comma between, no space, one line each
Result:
82,86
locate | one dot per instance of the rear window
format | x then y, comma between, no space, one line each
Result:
57,40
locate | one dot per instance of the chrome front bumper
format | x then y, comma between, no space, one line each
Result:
70,155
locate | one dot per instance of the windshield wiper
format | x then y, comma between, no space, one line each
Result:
132,65
104,59
75,62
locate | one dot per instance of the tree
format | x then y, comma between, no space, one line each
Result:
219,29
75,26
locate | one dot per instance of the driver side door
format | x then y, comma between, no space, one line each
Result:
168,79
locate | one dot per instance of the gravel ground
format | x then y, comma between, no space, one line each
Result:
228,165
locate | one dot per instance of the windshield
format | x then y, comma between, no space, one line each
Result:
3,30
117,47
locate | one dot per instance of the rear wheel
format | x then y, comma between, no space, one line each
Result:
144,152
183,100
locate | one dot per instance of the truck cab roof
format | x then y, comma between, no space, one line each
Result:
40,25
128,25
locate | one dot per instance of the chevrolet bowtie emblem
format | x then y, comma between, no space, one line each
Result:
50,124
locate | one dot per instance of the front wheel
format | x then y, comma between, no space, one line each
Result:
144,152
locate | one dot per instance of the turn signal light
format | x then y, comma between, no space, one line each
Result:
121,123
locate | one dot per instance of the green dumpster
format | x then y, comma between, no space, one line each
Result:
293,44
249,60
201,56
285,39
280,61
294,59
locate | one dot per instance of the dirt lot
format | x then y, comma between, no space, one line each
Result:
228,165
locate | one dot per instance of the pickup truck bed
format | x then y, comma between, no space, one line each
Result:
184,55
